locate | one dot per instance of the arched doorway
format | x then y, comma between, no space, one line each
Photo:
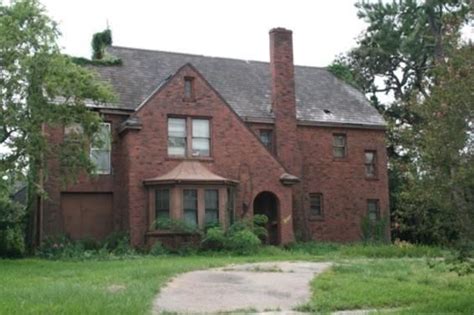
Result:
267,203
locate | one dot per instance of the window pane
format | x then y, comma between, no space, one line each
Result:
339,140
73,129
101,139
339,152
190,206
201,128
369,170
201,147
101,160
315,204
373,211
266,138
176,146
162,204
211,202
176,127
369,157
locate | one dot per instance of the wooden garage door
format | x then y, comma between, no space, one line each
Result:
87,215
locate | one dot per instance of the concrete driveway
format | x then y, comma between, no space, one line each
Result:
258,287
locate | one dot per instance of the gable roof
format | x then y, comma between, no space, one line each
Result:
245,85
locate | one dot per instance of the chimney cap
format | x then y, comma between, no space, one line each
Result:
280,30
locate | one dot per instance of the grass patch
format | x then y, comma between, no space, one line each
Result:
407,284
128,285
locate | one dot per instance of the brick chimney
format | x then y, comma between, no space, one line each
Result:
283,97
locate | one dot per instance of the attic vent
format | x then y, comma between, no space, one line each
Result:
326,111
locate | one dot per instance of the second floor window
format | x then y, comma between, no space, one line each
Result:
266,136
189,137
100,150
370,160
177,136
339,146
201,137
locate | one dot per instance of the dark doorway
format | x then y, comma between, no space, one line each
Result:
267,203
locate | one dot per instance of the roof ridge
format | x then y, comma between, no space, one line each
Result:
205,56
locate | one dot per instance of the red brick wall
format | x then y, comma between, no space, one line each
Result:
115,183
342,182
236,152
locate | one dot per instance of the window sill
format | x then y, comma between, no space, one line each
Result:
342,159
371,178
197,158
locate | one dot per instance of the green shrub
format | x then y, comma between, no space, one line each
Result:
214,239
12,243
158,250
178,226
61,247
243,242
374,231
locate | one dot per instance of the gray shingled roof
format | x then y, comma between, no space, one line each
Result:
245,85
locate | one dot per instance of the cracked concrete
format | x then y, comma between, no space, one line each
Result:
258,287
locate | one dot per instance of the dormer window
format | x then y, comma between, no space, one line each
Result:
189,88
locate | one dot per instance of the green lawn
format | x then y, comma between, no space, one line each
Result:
35,286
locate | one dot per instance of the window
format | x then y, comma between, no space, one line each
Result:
190,206
266,136
373,210
201,137
370,159
162,204
211,203
339,146
177,136
72,131
188,88
316,204
230,204
189,135
101,148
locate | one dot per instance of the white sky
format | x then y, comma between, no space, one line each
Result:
239,29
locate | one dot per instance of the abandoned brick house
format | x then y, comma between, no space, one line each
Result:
205,139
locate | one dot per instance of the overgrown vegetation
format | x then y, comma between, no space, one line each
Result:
412,51
116,246
39,86
365,276
409,286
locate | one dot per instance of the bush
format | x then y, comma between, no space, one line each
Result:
158,250
374,231
243,237
178,226
61,247
12,243
214,239
243,242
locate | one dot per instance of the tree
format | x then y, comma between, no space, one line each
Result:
441,185
40,86
405,41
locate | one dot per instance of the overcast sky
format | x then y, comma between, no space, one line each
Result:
236,29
